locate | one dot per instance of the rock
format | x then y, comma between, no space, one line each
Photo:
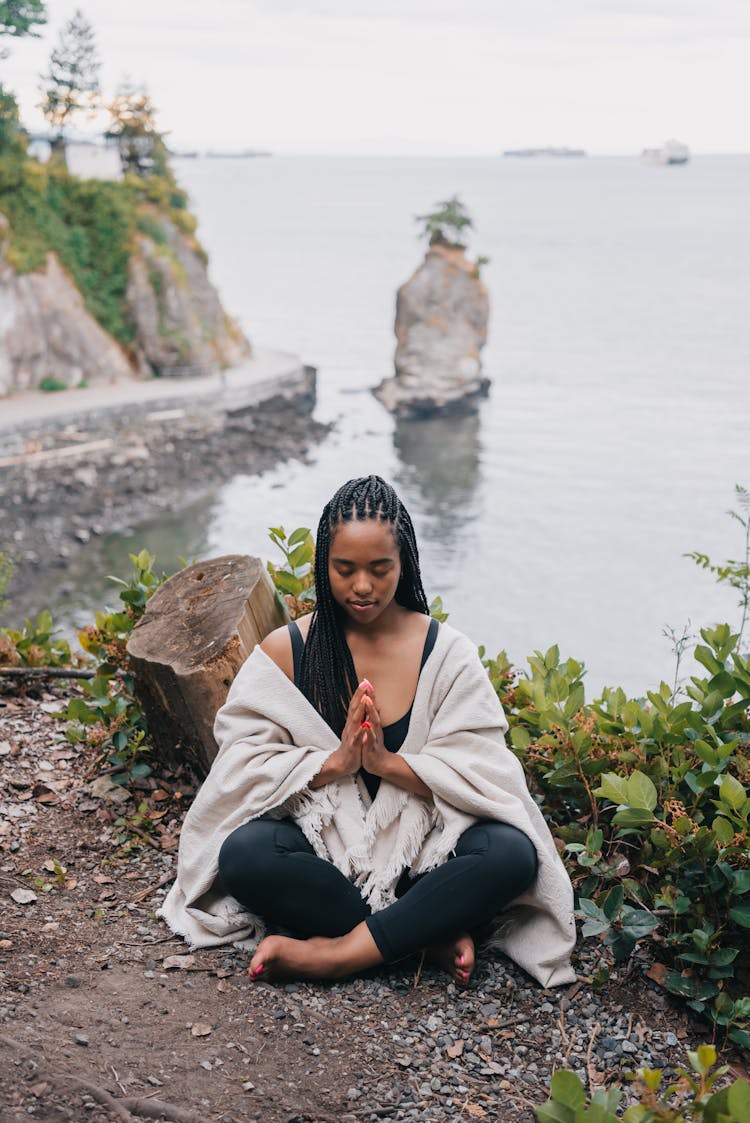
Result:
441,327
181,327
47,332
104,788
80,1039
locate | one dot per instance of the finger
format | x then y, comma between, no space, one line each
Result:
372,713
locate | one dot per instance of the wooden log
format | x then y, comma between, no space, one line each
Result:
195,634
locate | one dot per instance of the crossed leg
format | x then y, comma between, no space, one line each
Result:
271,868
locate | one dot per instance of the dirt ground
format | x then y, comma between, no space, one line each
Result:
98,1022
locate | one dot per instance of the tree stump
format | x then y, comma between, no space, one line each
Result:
195,634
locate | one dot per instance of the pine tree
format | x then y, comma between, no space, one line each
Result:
20,17
71,85
446,224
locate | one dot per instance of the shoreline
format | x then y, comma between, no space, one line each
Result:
69,475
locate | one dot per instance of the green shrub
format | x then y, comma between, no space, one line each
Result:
692,1097
50,385
108,717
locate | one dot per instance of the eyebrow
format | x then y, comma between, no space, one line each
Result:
348,561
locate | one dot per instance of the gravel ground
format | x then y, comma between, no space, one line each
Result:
100,1021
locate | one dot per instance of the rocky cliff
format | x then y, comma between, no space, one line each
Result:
47,333
178,323
441,328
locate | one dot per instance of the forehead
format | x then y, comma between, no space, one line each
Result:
363,539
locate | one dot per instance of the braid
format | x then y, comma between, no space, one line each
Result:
328,677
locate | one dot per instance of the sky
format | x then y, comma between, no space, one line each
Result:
420,77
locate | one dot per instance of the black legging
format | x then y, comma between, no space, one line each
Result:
271,868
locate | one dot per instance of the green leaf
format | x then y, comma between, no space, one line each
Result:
613,901
301,555
705,656
287,582
740,882
740,914
732,792
299,535
566,1088
278,531
723,830
520,737
641,791
140,770
612,787
552,1112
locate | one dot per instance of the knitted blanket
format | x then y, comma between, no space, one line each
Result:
272,743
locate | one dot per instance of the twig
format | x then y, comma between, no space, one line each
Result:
152,889
420,965
46,672
596,1030
117,1081
125,1108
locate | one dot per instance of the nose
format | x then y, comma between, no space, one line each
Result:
362,585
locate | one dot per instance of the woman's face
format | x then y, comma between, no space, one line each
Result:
364,567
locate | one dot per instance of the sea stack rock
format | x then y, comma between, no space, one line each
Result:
441,328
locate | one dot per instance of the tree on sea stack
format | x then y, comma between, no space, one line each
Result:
441,323
447,224
71,85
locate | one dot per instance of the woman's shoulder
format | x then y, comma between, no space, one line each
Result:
277,645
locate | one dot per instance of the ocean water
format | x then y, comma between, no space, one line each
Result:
618,419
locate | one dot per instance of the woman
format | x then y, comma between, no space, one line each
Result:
363,797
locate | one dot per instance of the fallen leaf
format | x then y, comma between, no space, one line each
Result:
201,1029
52,867
5,944
51,707
222,986
222,973
71,882
456,1049
475,1111
102,879
184,962
159,795
24,896
656,972
44,795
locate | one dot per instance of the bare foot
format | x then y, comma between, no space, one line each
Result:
321,957
456,957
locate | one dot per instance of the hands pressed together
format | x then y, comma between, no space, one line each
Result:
362,746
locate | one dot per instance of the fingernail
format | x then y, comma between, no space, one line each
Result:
366,683
366,725
461,958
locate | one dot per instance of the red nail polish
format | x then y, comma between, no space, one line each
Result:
461,958
366,725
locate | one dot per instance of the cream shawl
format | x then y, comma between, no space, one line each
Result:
272,743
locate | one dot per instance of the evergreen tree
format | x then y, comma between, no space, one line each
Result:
17,18
20,17
447,224
71,85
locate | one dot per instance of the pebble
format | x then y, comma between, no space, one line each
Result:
80,1039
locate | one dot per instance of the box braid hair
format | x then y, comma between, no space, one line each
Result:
327,675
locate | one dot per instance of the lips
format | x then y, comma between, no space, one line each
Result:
361,605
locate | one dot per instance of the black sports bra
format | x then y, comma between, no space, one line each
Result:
394,734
